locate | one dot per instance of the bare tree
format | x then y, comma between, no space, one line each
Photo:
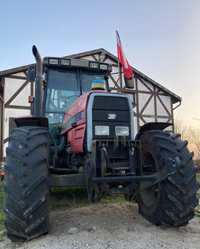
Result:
190,134
182,129
195,140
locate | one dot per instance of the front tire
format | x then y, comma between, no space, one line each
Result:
26,184
173,200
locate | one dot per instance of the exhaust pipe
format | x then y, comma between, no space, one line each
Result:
38,84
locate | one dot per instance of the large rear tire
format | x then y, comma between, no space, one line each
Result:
173,200
26,184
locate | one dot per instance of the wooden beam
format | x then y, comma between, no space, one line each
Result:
170,119
104,56
94,57
172,116
155,104
146,104
152,116
141,117
18,107
5,140
16,93
163,105
146,92
26,74
16,77
144,83
174,107
99,57
114,81
124,90
137,104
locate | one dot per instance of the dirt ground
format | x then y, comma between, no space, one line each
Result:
110,226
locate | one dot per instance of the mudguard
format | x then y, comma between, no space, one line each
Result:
32,121
152,126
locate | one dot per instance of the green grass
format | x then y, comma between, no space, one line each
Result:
67,198
72,198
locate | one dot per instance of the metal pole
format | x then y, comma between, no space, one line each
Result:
120,74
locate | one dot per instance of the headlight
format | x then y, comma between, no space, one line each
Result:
65,62
94,65
79,63
104,66
53,61
102,130
121,130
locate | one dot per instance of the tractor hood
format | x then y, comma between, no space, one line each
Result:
76,113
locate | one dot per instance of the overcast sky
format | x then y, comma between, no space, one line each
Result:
160,38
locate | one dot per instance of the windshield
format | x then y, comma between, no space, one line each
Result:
86,80
63,88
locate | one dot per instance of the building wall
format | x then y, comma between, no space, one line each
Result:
153,105
15,106
150,104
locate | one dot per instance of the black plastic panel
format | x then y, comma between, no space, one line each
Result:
110,103
106,106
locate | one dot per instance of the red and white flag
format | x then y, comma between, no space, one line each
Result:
127,69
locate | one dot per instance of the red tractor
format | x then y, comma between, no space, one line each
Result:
82,137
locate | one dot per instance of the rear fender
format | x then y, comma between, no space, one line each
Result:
145,127
152,126
32,121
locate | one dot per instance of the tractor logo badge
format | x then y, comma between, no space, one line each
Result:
112,116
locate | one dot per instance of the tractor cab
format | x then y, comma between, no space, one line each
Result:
66,80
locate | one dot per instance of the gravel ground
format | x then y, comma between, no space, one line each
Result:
110,226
